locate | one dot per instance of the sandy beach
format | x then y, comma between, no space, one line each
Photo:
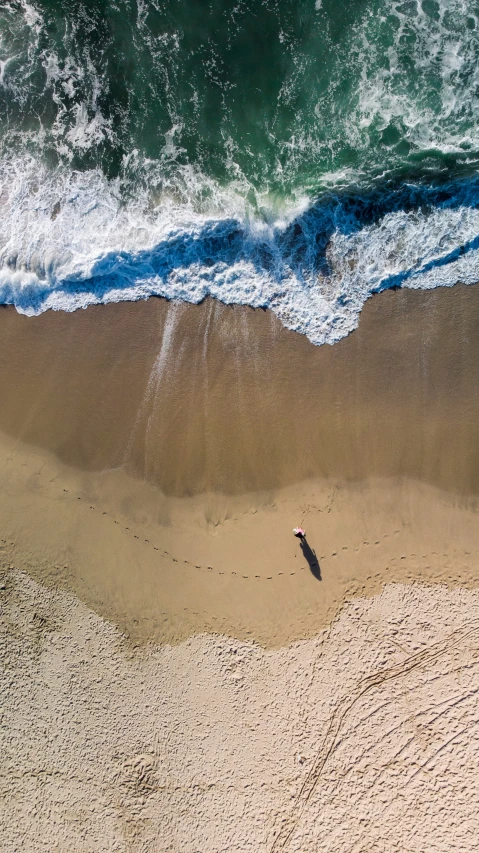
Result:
364,738
154,458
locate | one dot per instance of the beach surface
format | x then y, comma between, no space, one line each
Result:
180,674
239,266
215,398
364,738
156,456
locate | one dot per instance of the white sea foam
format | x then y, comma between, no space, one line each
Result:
69,238
433,52
73,240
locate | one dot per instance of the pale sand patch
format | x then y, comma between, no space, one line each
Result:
163,569
365,738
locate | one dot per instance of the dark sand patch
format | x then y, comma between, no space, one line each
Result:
223,399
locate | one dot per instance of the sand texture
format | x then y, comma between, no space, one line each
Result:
178,674
155,457
363,739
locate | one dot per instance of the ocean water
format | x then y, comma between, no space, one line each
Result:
299,155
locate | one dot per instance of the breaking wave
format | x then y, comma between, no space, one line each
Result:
300,165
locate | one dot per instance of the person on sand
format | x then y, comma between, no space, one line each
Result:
299,532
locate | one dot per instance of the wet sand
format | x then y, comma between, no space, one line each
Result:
155,458
165,569
224,399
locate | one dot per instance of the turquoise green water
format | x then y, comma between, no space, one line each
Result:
303,136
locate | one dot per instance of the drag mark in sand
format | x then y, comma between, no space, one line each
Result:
421,660
201,745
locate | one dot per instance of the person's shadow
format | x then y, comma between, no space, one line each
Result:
311,558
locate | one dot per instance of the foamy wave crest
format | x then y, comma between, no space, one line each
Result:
72,239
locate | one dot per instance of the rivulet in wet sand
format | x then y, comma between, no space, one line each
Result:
214,398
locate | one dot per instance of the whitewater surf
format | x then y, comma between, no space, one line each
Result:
298,156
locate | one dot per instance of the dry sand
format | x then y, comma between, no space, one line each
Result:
364,739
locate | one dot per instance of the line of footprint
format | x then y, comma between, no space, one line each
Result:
208,614
12,546
267,577
240,575
201,568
